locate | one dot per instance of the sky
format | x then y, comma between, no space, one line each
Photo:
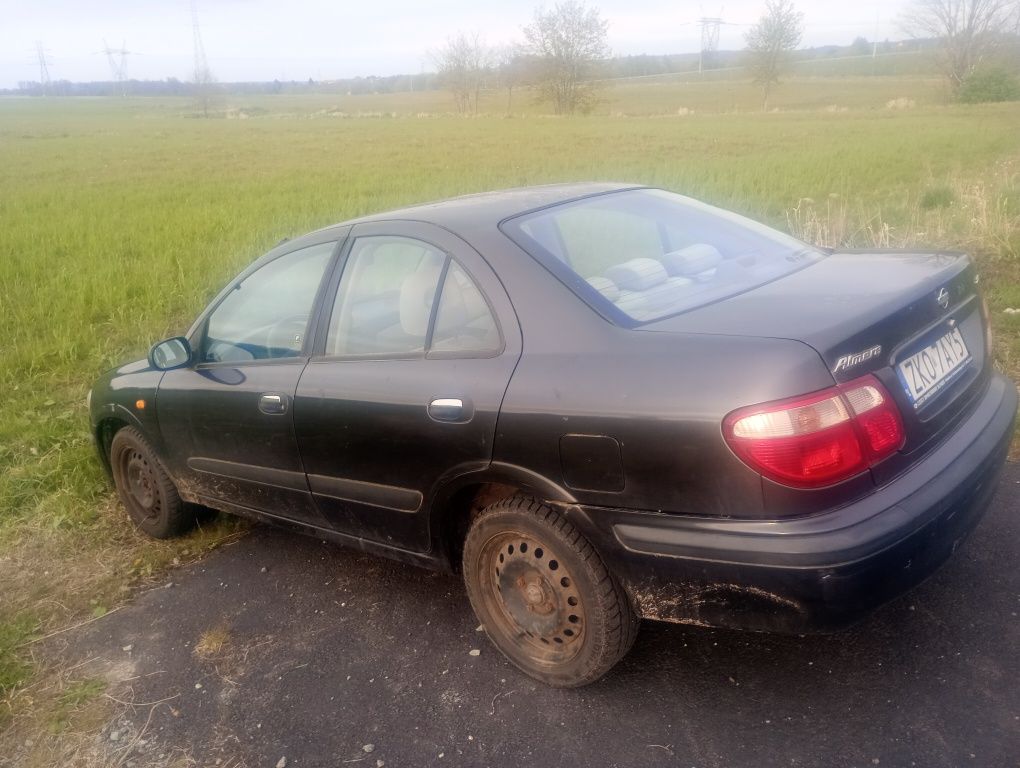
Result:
249,40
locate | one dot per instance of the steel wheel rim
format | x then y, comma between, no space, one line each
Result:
532,597
140,484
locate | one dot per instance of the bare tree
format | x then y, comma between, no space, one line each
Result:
510,64
206,91
969,31
569,43
462,64
769,43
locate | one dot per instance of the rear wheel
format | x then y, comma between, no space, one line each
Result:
145,489
543,594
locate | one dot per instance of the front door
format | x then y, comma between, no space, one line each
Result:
408,377
228,421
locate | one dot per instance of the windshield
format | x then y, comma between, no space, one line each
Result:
648,254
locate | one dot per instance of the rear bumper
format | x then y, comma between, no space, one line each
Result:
819,573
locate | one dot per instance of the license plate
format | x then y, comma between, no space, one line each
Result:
926,373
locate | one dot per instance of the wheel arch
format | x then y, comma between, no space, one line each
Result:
460,499
111,420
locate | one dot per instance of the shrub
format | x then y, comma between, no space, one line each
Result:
937,197
992,84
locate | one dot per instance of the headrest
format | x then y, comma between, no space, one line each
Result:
692,260
637,274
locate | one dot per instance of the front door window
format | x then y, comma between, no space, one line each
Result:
266,315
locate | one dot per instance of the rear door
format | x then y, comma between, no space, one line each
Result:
227,420
414,353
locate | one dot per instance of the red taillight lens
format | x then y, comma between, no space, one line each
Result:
818,439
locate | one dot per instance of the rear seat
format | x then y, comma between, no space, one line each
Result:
645,287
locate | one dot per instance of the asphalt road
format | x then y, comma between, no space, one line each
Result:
326,651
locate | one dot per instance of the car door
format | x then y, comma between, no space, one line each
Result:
227,420
412,362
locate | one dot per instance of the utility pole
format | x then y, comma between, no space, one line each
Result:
709,40
44,68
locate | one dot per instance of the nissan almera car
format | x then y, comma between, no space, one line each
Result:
597,402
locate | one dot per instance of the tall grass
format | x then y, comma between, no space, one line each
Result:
976,213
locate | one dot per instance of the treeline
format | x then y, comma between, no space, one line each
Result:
646,65
641,65
174,87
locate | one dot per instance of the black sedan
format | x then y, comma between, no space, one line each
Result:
599,402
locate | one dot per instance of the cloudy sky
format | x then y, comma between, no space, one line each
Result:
324,39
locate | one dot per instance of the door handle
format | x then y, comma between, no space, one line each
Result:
446,409
273,403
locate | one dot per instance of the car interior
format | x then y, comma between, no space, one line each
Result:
384,304
651,258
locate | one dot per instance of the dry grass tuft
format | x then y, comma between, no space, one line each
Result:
213,642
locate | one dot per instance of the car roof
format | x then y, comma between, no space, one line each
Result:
490,208
483,210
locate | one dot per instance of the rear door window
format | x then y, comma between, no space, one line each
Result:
401,297
384,304
464,322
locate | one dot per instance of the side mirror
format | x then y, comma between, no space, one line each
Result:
170,354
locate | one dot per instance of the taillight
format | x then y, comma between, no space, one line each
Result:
818,439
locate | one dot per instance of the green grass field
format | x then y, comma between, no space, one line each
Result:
119,219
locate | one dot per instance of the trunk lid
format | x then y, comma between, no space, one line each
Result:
868,312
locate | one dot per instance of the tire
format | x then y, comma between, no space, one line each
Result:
145,489
544,595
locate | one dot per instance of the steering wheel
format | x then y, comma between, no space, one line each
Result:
286,336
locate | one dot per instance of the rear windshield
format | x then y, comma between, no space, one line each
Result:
645,254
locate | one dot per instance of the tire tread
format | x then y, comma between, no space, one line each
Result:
179,517
621,622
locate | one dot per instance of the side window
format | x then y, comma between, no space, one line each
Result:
384,303
464,322
267,314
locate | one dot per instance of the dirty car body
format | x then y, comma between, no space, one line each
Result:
749,431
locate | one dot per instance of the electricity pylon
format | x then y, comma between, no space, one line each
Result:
709,40
118,66
202,73
44,66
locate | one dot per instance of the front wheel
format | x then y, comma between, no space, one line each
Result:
544,595
145,489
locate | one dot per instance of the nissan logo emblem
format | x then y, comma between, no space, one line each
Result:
943,298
